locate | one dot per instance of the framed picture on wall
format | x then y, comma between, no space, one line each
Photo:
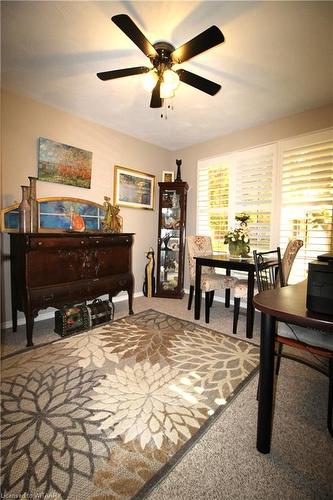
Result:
64,164
168,176
133,189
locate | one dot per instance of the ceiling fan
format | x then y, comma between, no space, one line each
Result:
162,80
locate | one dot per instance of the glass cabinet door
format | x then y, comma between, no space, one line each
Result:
171,240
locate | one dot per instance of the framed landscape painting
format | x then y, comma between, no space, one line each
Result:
64,164
133,189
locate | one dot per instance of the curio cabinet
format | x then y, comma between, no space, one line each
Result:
171,239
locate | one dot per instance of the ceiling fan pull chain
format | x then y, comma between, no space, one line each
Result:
164,114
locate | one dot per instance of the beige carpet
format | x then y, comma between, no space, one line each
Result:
224,463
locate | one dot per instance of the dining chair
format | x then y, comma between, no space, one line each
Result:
199,246
240,291
269,274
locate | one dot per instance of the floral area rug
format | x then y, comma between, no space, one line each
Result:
104,414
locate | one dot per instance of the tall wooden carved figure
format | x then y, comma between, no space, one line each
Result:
149,282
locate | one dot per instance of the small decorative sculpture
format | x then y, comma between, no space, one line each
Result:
112,222
149,282
76,221
179,176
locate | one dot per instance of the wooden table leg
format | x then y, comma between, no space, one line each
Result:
227,291
249,305
266,378
197,303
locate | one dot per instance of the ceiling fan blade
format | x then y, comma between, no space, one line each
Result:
198,82
125,23
156,101
200,43
119,73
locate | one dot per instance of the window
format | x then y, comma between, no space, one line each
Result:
232,184
286,187
307,197
213,201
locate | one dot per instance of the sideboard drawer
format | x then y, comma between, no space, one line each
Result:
114,240
64,293
54,243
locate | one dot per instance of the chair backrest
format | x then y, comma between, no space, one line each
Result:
198,246
268,269
289,257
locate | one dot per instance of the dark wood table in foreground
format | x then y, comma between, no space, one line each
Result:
229,263
288,305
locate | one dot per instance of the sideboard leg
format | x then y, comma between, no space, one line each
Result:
29,318
130,302
14,317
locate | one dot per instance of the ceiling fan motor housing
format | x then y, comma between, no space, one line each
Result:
163,60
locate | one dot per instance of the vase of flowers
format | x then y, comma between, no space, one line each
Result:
238,238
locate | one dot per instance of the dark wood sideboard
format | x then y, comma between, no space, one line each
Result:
54,269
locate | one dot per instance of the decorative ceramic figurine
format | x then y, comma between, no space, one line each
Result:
76,221
179,176
149,282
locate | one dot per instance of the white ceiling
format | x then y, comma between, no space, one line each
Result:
276,60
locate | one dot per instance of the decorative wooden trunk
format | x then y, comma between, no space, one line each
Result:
54,269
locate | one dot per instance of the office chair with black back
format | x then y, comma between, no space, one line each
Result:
320,344
240,291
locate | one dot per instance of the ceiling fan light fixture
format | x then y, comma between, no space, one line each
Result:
171,78
166,91
149,80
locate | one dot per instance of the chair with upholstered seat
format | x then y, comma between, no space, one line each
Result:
288,259
319,344
210,280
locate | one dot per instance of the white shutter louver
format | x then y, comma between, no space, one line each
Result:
253,192
307,198
213,202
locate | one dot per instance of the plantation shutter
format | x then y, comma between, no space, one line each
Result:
213,200
239,182
307,197
253,192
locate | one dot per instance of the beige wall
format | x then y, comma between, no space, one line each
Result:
25,120
301,123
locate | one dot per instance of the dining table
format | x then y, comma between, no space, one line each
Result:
226,261
286,304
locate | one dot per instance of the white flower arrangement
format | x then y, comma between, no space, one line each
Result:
240,232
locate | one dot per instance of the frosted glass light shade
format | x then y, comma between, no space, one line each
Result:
149,80
166,91
171,78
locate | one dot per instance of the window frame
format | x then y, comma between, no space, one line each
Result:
278,148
